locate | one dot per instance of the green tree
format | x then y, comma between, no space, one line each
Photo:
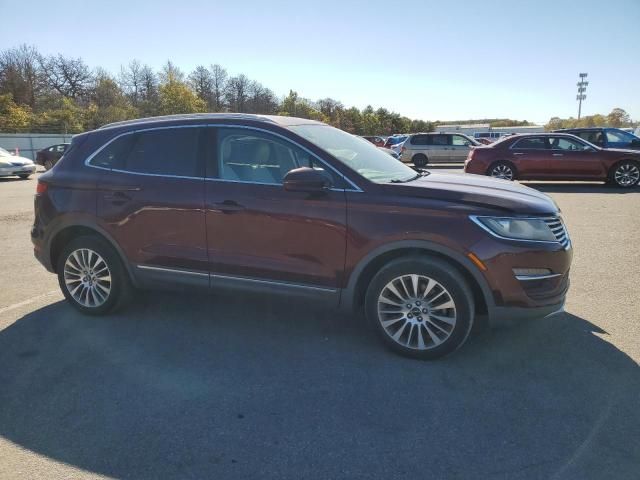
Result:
176,97
13,118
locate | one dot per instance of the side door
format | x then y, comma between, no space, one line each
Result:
531,157
152,202
438,148
460,146
571,158
262,236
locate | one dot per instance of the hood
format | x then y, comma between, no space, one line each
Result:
479,190
16,160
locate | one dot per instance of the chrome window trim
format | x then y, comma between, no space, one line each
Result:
537,277
213,125
475,219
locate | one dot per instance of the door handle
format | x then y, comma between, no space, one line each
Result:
228,206
519,153
558,155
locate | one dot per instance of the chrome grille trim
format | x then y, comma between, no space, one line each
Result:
557,227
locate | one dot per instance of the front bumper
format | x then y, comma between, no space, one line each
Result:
507,316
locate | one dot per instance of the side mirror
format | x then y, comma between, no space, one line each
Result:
305,179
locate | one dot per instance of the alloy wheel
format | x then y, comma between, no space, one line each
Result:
87,277
416,311
627,174
502,171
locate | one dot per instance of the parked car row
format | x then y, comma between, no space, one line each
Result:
13,165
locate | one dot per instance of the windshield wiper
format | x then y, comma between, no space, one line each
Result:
417,175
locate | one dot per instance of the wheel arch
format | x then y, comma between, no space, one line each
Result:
65,233
352,296
615,164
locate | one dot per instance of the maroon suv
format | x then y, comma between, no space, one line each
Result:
293,206
554,156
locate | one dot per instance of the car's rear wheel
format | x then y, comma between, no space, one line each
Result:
420,160
421,307
92,277
625,174
48,164
503,170
24,176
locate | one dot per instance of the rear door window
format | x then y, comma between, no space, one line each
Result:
530,143
440,139
167,151
420,140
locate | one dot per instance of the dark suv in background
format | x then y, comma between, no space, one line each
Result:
605,137
48,157
293,206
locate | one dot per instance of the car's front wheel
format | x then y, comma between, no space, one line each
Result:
91,276
421,307
625,174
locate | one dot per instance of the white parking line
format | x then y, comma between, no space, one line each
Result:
27,302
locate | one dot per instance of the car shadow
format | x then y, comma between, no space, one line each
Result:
577,187
182,386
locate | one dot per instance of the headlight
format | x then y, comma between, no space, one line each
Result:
517,228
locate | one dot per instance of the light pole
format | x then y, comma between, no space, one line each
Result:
582,88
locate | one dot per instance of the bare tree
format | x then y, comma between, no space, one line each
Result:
20,74
131,81
201,81
171,73
237,93
260,99
219,84
70,77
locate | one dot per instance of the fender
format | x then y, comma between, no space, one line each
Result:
347,296
90,223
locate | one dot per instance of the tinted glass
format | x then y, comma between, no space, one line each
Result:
439,139
592,136
535,143
171,151
420,140
251,156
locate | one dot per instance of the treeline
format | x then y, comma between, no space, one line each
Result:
617,118
493,122
60,94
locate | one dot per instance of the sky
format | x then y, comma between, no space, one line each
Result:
423,59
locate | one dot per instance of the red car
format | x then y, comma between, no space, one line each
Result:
554,156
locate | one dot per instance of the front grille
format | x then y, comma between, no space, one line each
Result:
559,230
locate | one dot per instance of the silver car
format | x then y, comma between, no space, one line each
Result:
11,165
424,148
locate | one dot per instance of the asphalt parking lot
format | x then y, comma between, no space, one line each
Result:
192,386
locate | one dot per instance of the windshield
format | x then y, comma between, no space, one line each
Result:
358,154
4,153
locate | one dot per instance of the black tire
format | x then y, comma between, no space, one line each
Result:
503,170
625,174
24,176
48,165
420,160
446,276
120,285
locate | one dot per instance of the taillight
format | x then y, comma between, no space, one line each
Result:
41,188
